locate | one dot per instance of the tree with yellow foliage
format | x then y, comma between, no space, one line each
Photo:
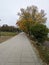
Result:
29,17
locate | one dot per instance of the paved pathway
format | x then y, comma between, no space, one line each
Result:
18,51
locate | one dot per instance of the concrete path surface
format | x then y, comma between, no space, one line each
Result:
18,51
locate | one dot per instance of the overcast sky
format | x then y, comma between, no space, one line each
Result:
10,8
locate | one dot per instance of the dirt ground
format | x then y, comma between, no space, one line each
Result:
4,38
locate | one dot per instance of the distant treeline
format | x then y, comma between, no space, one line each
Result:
6,28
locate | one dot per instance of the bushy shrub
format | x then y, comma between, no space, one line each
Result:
40,32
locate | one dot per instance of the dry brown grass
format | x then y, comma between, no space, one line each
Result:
43,51
6,35
4,38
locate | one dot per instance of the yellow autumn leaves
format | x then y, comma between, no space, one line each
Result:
29,17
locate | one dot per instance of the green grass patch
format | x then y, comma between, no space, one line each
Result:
8,33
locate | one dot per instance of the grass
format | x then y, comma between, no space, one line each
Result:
4,38
43,51
6,35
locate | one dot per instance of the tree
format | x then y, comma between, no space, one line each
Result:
6,28
40,32
29,17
